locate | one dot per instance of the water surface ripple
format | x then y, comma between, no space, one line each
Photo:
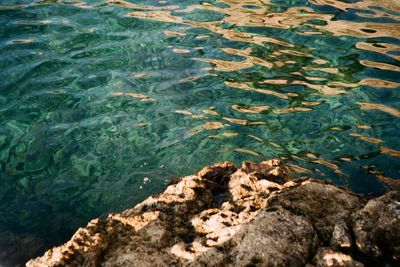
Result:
100,101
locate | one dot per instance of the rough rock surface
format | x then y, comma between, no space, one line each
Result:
250,216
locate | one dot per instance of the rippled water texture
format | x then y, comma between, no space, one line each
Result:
101,101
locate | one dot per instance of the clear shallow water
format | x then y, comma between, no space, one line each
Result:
102,102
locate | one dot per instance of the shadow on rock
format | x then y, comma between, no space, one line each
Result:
255,215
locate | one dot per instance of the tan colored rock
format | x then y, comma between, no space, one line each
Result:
272,170
224,216
327,257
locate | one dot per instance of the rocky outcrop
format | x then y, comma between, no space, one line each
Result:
249,216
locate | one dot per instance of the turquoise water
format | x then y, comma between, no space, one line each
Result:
103,102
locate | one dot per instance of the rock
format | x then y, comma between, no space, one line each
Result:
218,172
324,204
327,257
341,238
274,238
272,170
250,216
376,227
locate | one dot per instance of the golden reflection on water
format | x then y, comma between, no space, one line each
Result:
366,5
324,89
174,33
247,151
12,7
380,107
180,51
390,151
307,69
251,110
136,6
243,121
379,65
223,65
390,183
298,169
377,83
246,53
383,48
367,138
141,74
247,87
330,165
141,97
210,111
289,110
24,41
255,13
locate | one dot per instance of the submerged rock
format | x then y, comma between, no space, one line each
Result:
255,215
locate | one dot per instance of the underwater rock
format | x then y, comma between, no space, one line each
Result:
255,215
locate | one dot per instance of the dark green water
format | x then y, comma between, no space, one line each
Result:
103,102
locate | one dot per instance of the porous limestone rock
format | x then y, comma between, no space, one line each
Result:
255,215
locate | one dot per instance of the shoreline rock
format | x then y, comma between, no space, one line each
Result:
255,215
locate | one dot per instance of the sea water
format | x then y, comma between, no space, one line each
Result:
102,102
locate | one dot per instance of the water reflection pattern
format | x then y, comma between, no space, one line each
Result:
308,65
100,100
